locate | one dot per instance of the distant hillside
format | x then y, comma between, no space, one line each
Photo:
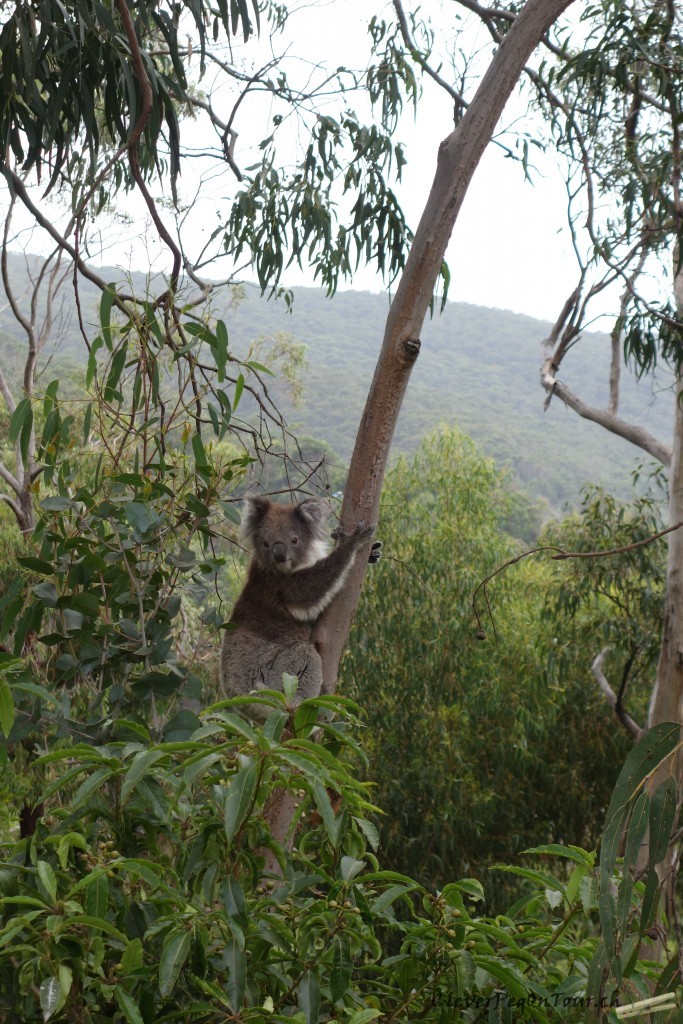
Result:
478,368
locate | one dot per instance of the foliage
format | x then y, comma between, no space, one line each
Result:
615,603
478,749
142,897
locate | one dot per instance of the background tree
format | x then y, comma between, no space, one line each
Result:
502,745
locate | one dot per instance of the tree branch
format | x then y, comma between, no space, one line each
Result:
628,723
609,420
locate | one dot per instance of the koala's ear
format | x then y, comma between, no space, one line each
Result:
253,512
312,511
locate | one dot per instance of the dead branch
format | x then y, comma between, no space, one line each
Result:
614,702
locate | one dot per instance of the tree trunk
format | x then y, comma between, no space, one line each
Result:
666,704
458,158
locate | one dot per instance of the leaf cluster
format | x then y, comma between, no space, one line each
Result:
142,896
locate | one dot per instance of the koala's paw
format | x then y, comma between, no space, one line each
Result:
375,552
358,536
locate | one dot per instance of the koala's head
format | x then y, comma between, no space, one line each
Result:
285,538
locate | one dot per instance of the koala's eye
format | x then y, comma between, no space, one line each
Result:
295,540
266,544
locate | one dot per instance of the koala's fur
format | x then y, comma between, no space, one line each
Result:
291,580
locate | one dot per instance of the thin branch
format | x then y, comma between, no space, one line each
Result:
147,97
561,555
458,99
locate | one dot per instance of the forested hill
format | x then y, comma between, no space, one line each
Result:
478,368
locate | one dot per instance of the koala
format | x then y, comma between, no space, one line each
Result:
291,580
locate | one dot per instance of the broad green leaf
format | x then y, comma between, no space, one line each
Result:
350,867
97,897
342,967
234,901
51,997
173,958
6,707
128,1006
364,1016
237,977
651,750
662,815
142,762
239,388
106,303
331,822
91,785
132,957
574,853
506,973
609,850
240,798
308,995
390,896
636,830
48,879
221,349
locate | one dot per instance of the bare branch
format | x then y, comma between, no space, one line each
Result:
628,723
609,420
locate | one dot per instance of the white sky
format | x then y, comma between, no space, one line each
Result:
510,248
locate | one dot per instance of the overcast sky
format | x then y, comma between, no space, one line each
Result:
510,247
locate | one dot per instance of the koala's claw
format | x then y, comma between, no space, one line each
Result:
375,552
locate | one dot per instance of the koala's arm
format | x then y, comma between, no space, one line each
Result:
308,592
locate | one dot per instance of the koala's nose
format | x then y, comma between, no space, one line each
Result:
279,552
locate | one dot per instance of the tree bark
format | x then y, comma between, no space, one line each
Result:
666,704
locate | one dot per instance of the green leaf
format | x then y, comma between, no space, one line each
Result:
221,349
49,880
364,1016
173,957
239,388
609,850
91,785
662,814
51,997
106,303
21,418
132,958
640,816
38,565
97,897
652,748
239,799
237,979
128,1006
234,901
350,867
342,967
308,995
6,707
142,762
331,822
118,363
